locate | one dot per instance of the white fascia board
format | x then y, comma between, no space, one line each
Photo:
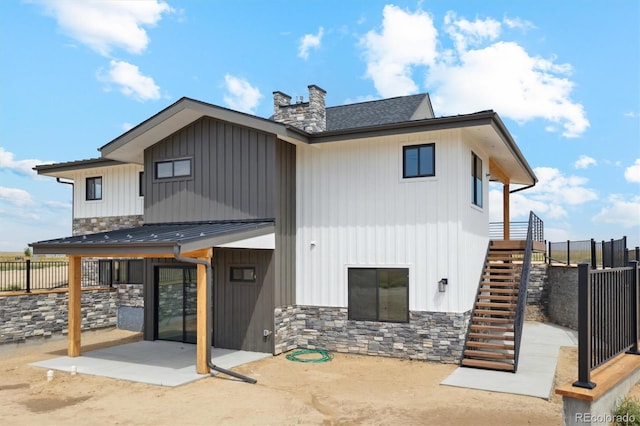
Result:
261,242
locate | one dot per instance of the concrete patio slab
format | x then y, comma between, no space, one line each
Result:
539,352
152,362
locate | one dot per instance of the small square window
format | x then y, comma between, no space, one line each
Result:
242,274
164,169
418,161
182,168
94,188
378,294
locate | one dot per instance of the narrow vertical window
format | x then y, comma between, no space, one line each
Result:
476,180
418,161
94,188
141,184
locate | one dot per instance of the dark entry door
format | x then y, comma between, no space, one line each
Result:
176,306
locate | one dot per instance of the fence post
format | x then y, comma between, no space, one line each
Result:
568,252
584,328
28,272
635,308
613,258
549,251
625,252
593,254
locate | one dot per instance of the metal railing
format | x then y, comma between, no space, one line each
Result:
534,228
608,316
604,254
28,275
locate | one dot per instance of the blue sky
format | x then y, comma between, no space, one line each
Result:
564,76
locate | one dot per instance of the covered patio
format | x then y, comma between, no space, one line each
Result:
186,242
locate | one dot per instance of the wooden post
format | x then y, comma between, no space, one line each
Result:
74,302
202,363
506,234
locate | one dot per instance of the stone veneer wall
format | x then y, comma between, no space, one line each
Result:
537,308
130,306
308,116
433,336
563,296
42,315
91,225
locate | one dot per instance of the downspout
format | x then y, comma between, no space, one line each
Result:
178,257
73,201
523,188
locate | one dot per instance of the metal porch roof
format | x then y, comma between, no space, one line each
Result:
156,238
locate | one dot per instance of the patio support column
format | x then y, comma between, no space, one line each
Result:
202,363
506,233
74,302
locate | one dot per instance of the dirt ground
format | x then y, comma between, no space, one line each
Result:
349,390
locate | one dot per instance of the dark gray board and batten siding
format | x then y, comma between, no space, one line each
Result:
232,176
237,173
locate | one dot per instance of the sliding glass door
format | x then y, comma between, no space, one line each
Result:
176,303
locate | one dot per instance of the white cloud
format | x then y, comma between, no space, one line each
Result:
16,197
515,83
552,196
625,213
406,40
308,42
108,24
632,173
20,167
584,162
241,95
464,32
632,114
127,126
518,23
57,205
132,83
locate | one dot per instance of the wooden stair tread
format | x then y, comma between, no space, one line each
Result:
495,312
500,284
488,354
501,290
497,297
499,305
496,328
492,365
490,336
492,320
489,345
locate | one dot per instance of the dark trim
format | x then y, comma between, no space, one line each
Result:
90,182
43,169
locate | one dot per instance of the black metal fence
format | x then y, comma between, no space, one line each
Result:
608,316
31,275
603,254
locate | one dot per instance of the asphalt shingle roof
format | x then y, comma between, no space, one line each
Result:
373,113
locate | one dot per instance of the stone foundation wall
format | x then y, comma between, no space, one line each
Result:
563,296
42,315
537,308
91,225
433,336
130,307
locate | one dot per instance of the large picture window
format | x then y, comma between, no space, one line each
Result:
476,180
419,160
173,168
379,294
94,188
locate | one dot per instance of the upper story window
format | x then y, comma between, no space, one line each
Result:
476,180
94,188
379,294
173,168
419,160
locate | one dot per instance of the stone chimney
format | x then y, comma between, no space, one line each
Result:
308,116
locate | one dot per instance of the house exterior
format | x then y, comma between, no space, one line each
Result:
360,228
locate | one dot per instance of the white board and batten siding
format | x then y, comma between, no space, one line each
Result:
354,209
120,197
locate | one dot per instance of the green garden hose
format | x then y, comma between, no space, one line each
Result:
324,355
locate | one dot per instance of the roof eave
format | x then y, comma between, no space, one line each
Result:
130,146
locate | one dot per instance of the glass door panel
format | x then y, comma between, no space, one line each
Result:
170,304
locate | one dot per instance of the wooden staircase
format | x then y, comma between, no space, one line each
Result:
490,339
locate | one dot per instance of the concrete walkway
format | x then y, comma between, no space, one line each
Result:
539,352
152,362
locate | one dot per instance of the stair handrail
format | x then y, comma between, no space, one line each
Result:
533,232
473,309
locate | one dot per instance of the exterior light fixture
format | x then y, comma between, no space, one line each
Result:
442,285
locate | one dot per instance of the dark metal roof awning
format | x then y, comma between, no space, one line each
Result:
156,239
